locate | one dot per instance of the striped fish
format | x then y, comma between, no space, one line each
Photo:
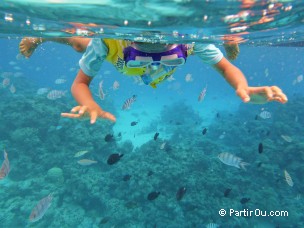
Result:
40,208
6,82
265,115
42,91
202,94
60,81
55,94
288,178
232,160
127,104
212,225
5,167
100,91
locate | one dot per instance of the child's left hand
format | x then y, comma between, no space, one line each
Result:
262,95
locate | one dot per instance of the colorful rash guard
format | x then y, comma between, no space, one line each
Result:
110,50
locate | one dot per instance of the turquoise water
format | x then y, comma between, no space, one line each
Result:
41,145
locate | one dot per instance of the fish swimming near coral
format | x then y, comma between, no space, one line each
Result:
286,138
153,195
40,209
232,160
150,173
227,192
115,85
202,94
162,146
55,94
80,153
265,115
244,200
212,225
260,148
109,138
156,136
6,82
12,89
101,94
114,158
204,131
5,167
180,193
104,220
42,91
133,123
288,178
86,162
127,104
59,81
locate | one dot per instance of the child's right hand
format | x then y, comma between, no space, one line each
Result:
93,112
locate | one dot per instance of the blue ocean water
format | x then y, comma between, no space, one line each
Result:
41,145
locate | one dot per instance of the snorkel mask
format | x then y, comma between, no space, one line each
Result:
137,59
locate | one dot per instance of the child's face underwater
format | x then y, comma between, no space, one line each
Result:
153,55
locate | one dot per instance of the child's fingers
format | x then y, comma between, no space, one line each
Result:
70,115
93,117
243,95
82,110
279,98
268,92
110,116
75,109
278,93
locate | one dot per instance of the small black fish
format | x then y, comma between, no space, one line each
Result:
126,177
261,148
217,115
114,158
153,195
256,117
156,135
109,138
134,123
180,193
119,134
259,164
244,200
104,220
268,133
204,131
227,192
150,173
178,123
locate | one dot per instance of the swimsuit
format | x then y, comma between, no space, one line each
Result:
111,50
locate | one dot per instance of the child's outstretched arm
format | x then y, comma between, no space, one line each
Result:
237,80
87,105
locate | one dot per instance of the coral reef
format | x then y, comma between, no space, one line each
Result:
41,147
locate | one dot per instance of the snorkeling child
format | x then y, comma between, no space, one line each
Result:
154,63
29,44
